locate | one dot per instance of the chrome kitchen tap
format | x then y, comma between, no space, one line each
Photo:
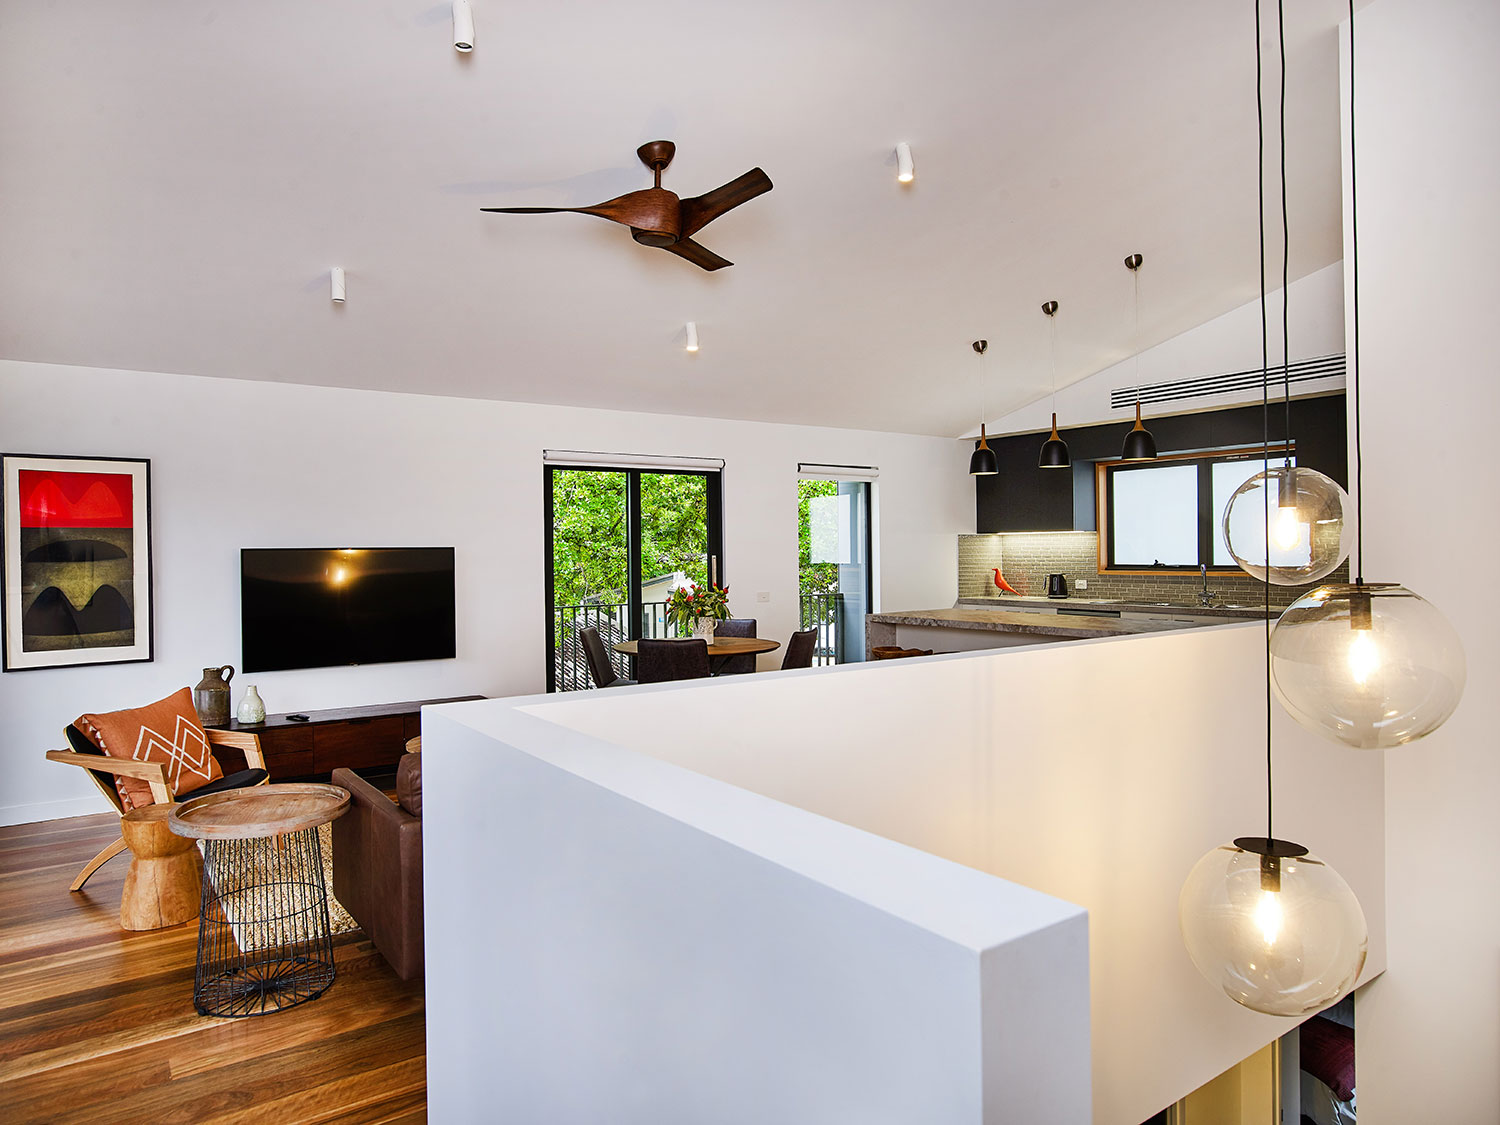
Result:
1205,596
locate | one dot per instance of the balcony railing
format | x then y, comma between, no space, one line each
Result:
570,665
825,613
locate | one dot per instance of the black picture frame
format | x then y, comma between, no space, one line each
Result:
75,561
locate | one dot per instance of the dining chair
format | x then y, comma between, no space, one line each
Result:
600,665
799,650
658,662
736,627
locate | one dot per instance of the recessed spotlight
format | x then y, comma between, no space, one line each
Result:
336,284
905,172
692,336
463,27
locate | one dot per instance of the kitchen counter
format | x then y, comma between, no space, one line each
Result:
965,628
1021,604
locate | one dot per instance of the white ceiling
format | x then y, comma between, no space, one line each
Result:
177,177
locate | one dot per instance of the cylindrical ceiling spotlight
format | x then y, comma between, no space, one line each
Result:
692,335
905,171
336,284
463,27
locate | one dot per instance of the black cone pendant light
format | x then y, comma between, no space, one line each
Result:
1139,444
983,463
1054,449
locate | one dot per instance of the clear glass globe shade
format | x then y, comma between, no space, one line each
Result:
1371,666
1309,536
1285,952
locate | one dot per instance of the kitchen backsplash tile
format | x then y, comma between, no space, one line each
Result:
1026,558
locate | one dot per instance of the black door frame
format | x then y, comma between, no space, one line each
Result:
714,488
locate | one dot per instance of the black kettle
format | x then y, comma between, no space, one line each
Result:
1057,586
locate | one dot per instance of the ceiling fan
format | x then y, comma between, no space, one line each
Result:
657,217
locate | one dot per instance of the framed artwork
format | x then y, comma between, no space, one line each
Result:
76,560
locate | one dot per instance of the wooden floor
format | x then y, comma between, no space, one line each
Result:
98,1025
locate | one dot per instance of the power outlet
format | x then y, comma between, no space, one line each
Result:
1083,583
763,596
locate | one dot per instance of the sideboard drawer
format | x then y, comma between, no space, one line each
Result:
288,752
358,743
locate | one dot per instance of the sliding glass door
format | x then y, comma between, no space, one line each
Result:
618,541
834,575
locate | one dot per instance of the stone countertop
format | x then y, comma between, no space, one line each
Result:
1004,601
1021,621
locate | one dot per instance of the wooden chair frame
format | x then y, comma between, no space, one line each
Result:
154,774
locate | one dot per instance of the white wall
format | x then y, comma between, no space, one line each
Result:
1227,343
248,464
1098,772
662,947
1429,179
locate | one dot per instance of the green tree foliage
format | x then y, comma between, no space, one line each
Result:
589,537
812,577
590,541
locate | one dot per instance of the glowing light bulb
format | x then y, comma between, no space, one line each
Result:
1287,531
1268,916
1364,656
339,575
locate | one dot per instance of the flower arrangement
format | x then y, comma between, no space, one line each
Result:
686,605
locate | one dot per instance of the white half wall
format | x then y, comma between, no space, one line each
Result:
1227,343
659,947
249,464
1429,179
1097,772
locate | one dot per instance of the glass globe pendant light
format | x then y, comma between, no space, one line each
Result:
1271,925
983,463
1308,539
1368,664
1304,511
1054,453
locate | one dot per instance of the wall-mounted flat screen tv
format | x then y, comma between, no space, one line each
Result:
321,607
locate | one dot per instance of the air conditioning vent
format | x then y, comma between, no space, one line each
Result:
1302,371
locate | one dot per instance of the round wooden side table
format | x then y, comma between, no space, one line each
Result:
166,872
264,940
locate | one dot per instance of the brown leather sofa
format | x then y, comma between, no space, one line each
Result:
377,863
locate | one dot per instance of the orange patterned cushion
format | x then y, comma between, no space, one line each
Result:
165,731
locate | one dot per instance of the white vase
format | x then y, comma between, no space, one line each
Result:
252,708
704,627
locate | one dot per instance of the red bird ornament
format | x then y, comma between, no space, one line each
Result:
1004,585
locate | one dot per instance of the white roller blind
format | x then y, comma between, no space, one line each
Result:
646,461
816,471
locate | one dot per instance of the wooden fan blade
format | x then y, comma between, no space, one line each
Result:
652,210
698,255
701,210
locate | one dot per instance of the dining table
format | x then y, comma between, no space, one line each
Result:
720,649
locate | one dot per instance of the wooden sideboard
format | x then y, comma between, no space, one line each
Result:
359,738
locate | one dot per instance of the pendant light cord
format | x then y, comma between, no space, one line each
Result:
1359,459
1286,248
1265,394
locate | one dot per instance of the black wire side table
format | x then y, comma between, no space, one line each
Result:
264,941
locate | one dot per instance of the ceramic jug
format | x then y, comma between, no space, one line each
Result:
211,696
252,707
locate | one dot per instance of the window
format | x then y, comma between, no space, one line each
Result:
1167,515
